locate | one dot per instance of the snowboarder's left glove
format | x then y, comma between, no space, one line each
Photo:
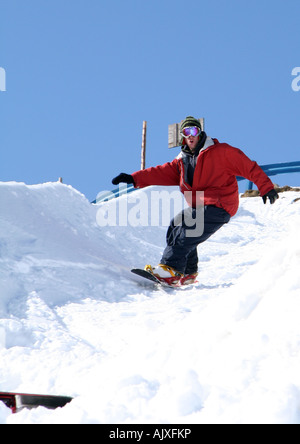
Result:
123,178
271,195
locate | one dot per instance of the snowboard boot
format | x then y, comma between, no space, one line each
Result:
165,274
189,279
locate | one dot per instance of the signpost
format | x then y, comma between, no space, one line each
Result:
143,156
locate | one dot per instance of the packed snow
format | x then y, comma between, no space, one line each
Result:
74,321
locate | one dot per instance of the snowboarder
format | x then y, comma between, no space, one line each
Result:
205,165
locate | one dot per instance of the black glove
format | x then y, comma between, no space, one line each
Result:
123,178
272,195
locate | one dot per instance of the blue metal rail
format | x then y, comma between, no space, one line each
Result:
105,196
276,168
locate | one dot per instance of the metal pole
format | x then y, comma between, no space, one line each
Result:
144,135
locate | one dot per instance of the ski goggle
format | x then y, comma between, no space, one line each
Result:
191,131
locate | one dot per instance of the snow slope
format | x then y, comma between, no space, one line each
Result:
74,322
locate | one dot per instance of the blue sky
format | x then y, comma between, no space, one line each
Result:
82,75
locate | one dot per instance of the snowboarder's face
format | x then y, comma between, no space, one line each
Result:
192,142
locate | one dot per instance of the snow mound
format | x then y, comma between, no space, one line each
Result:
73,321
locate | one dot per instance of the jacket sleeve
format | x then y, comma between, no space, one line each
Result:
241,165
167,174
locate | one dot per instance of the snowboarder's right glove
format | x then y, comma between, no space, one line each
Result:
123,178
271,195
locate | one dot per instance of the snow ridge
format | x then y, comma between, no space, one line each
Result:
74,322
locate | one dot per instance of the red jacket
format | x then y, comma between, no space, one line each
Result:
215,174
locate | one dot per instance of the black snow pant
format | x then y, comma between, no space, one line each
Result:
183,238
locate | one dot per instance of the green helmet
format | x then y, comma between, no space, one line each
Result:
189,121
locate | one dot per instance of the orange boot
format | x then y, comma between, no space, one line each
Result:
165,274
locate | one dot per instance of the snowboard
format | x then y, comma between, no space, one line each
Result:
145,274
18,401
